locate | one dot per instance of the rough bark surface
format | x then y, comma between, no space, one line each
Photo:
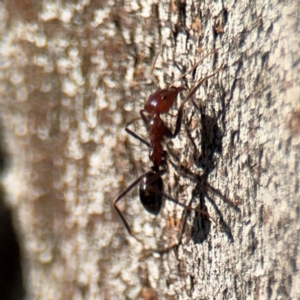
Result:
74,72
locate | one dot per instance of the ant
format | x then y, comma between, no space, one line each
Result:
151,183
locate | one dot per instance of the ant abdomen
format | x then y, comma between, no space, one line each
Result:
151,191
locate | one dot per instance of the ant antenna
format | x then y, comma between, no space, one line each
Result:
193,68
152,69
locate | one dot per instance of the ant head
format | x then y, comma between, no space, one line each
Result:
162,100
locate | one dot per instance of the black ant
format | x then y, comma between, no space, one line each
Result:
151,184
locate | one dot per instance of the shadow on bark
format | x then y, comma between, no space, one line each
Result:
11,283
211,144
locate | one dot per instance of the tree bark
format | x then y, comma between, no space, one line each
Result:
72,76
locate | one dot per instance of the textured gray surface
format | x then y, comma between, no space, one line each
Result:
73,75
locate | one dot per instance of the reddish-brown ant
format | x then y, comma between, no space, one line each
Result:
151,184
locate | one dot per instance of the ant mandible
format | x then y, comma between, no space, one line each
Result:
151,184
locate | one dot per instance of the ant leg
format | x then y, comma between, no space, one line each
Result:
127,190
184,172
144,118
188,97
129,131
186,207
193,68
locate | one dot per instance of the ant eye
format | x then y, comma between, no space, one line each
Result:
164,97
